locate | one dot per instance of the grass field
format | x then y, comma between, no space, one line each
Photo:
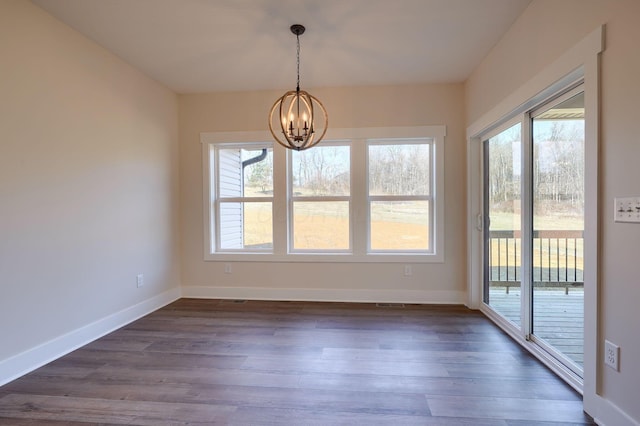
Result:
548,254
403,226
508,221
325,226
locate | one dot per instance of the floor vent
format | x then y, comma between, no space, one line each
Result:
390,305
234,301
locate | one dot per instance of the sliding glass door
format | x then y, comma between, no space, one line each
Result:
502,236
558,226
534,223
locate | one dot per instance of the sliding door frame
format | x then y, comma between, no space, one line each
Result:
525,120
580,62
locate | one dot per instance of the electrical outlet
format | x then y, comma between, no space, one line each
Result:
611,355
140,280
227,268
408,271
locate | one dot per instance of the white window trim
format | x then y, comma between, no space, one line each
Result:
359,206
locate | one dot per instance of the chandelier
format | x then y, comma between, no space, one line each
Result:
297,112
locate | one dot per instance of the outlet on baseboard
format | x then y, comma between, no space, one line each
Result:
140,280
408,271
612,355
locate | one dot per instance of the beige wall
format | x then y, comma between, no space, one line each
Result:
89,176
88,181
542,34
348,108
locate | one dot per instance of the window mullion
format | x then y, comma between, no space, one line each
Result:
280,208
400,198
359,204
321,198
246,200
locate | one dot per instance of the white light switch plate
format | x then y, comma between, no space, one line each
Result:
627,209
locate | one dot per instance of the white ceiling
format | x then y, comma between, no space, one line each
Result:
196,46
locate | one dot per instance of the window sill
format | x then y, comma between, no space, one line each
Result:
328,258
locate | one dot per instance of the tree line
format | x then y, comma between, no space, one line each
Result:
393,170
558,166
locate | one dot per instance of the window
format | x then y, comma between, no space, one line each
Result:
243,200
362,195
320,202
400,195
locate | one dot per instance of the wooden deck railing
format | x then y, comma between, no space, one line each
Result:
557,258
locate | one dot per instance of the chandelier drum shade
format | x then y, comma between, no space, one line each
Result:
299,117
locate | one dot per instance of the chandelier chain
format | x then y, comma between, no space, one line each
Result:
298,61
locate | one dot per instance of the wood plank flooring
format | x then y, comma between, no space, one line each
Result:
209,362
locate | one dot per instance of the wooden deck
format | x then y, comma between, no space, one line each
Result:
558,317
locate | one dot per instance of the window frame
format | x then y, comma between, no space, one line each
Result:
430,142
359,216
218,199
292,199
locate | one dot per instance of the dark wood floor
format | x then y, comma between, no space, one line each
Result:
209,362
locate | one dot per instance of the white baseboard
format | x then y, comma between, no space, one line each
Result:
29,360
326,295
605,413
